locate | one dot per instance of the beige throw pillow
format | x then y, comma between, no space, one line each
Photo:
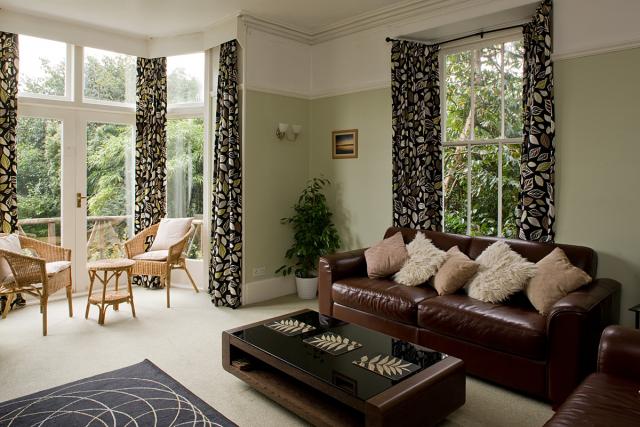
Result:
170,231
424,260
556,277
502,273
455,272
10,243
387,257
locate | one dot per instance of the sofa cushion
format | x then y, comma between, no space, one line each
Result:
382,297
170,231
601,400
386,257
424,260
516,330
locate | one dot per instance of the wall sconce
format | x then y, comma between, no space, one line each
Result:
283,131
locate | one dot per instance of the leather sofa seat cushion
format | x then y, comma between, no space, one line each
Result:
516,330
601,400
382,297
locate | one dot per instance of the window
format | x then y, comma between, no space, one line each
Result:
38,143
109,188
109,76
482,137
185,179
43,67
185,79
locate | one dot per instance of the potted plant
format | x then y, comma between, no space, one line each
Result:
314,235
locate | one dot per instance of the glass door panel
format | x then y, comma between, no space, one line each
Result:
38,146
110,178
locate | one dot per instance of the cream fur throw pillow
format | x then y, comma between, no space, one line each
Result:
502,273
424,261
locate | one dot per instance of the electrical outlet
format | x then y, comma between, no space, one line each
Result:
259,271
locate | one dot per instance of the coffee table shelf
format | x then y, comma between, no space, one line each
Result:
334,393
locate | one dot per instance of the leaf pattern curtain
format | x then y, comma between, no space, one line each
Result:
225,275
416,152
8,123
536,210
151,141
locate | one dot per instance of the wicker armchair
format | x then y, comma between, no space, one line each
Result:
29,274
175,259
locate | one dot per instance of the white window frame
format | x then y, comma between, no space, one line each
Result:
75,112
500,142
68,79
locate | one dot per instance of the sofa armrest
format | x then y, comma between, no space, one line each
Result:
335,267
619,352
574,326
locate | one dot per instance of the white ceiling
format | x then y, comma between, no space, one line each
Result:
159,18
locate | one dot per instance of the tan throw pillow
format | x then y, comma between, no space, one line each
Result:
424,260
10,243
455,272
387,257
556,277
502,273
170,231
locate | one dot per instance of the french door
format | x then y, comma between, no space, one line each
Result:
75,181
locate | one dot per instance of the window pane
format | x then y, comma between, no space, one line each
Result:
109,189
185,78
484,190
184,182
38,181
513,53
458,96
510,188
43,66
455,189
488,120
109,76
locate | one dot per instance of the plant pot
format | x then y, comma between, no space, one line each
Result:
307,287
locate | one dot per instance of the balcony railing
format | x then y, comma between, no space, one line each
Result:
103,236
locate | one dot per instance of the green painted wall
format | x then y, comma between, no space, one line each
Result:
360,195
598,163
274,173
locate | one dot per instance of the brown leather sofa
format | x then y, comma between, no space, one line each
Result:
611,396
509,344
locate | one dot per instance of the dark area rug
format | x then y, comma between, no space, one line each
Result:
138,395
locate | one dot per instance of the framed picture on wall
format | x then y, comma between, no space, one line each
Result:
344,144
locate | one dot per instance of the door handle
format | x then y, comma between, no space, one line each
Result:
79,198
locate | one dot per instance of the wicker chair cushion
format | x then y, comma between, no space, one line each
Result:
170,232
153,256
56,267
8,243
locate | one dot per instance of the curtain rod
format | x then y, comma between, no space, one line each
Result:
479,33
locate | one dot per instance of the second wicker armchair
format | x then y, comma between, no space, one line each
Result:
166,252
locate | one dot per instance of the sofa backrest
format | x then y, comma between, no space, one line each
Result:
580,256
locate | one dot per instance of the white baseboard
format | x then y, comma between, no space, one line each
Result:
264,290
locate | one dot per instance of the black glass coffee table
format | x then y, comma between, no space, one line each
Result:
333,373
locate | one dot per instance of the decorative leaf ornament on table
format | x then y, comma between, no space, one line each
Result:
290,327
333,343
388,366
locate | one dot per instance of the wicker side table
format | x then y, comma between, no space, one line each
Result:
105,270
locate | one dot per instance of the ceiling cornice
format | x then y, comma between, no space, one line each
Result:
384,16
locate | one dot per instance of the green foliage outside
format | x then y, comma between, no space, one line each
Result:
314,233
474,112
109,153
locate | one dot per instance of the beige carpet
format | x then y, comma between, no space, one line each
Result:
185,342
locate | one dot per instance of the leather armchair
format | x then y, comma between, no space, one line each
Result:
610,396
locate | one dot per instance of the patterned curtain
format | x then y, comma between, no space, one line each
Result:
536,211
8,123
417,156
225,275
151,141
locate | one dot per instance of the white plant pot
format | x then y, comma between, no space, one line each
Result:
307,287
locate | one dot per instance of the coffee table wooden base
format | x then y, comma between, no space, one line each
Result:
105,271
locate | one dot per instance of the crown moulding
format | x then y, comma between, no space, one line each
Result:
384,16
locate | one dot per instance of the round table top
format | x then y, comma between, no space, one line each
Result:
111,264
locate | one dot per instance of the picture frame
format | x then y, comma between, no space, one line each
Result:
344,144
